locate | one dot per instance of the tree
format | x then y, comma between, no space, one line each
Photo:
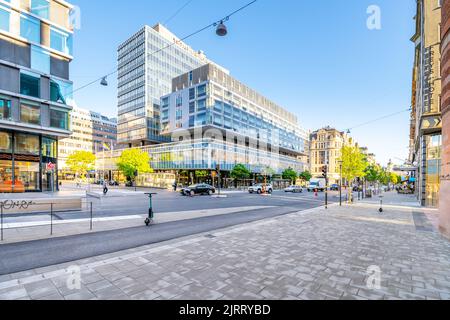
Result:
81,162
395,179
290,174
240,172
305,176
353,165
201,174
133,160
373,173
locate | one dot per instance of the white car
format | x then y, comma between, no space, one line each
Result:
258,188
294,189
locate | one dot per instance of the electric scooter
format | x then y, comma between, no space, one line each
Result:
149,220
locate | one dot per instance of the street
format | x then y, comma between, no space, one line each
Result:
18,257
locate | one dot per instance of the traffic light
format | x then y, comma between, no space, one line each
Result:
325,172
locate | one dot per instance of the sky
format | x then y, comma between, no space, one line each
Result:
315,58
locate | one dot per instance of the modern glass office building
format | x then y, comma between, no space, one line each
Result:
147,63
35,91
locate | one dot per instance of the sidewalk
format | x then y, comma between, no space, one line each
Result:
317,254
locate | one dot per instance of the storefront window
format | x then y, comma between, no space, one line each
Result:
59,119
433,170
49,148
5,142
5,109
30,114
27,176
26,144
6,176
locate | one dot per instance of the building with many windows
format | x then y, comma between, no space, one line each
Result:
245,126
426,118
326,150
35,91
147,63
91,131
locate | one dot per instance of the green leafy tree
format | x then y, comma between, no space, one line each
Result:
290,174
373,173
353,165
240,172
201,174
305,176
133,160
81,162
395,179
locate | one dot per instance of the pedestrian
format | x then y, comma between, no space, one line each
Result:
174,186
316,193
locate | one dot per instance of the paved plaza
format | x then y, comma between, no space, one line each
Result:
313,254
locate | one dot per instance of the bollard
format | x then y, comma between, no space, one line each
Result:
1,218
51,219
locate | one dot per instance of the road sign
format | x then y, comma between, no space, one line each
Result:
51,166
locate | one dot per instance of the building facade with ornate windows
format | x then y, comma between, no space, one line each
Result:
92,132
426,117
325,150
35,91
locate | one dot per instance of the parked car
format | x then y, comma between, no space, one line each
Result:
201,189
114,183
334,187
259,188
294,189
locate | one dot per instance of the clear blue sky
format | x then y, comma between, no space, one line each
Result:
315,58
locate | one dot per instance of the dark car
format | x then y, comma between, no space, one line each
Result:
334,187
201,189
114,183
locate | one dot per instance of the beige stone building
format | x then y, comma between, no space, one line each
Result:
325,148
92,132
426,119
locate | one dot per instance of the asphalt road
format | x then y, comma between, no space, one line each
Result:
41,253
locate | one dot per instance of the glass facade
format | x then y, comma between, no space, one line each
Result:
61,41
24,158
40,59
40,8
30,114
30,28
4,18
30,84
145,75
59,119
5,109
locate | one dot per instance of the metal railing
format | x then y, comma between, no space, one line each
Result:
50,209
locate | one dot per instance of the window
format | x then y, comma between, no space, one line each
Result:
40,59
27,176
192,94
201,105
30,28
200,119
5,109
5,142
218,106
30,84
40,8
59,119
61,41
201,91
192,107
4,19
30,114
49,148
191,121
26,144
61,91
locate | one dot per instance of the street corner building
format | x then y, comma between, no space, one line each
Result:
426,117
230,123
445,70
35,92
